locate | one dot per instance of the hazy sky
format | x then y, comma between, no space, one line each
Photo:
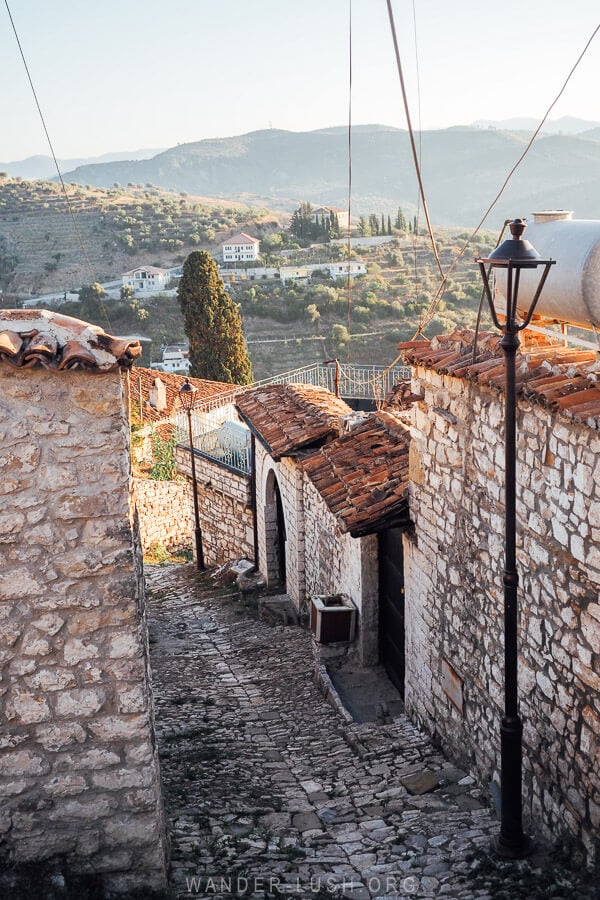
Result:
127,74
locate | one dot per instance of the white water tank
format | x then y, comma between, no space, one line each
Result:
572,290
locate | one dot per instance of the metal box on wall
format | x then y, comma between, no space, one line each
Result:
332,618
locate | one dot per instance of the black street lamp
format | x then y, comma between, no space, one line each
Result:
514,255
187,392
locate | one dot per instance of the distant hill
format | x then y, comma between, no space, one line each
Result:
463,168
42,167
40,249
565,125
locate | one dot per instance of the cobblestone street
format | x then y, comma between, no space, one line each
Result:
270,792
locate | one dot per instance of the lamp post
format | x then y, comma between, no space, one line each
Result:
187,392
514,255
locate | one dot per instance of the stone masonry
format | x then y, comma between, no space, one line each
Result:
288,476
78,766
225,508
273,792
338,563
454,594
164,511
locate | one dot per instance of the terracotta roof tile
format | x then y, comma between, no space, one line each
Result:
143,389
288,417
241,238
548,373
400,396
363,474
32,337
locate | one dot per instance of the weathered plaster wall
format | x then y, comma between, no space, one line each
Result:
337,563
454,594
224,506
165,513
78,765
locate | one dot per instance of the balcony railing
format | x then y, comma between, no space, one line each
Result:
217,433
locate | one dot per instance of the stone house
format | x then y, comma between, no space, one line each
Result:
79,774
453,564
327,482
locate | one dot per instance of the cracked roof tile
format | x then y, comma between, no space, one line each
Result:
559,378
290,417
363,475
32,337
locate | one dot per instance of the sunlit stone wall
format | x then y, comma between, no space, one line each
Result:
454,595
78,765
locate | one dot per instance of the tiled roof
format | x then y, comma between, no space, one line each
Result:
400,397
288,417
142,384
31,337
363,475
559,378
241,238
152,270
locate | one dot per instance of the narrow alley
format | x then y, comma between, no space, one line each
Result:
270,792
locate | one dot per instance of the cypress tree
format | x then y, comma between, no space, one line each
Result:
382,224
389,231
212,323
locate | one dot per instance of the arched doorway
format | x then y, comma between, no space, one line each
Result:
275,534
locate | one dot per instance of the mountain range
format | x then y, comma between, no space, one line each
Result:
463,169
42,167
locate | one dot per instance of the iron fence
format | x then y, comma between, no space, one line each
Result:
217,434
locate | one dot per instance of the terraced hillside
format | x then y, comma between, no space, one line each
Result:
44,248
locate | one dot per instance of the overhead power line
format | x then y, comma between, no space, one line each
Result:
348,281
412,138
436,300
59,173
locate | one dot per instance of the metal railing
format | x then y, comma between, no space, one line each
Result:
217,433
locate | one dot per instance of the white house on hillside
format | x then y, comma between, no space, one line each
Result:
240,247
324,212
146,278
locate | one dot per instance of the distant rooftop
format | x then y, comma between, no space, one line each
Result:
152,270
241,238
143,385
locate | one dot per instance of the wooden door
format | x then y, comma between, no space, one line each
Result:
391,605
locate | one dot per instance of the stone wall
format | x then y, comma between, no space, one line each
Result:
165,513
454,595
336,563
78,766
224,506
288,477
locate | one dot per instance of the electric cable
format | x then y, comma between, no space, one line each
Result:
420,133
412,138
348,280
435,301
63,186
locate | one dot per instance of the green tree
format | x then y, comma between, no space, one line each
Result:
90,298
212,323
126,293
340,337
400,223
